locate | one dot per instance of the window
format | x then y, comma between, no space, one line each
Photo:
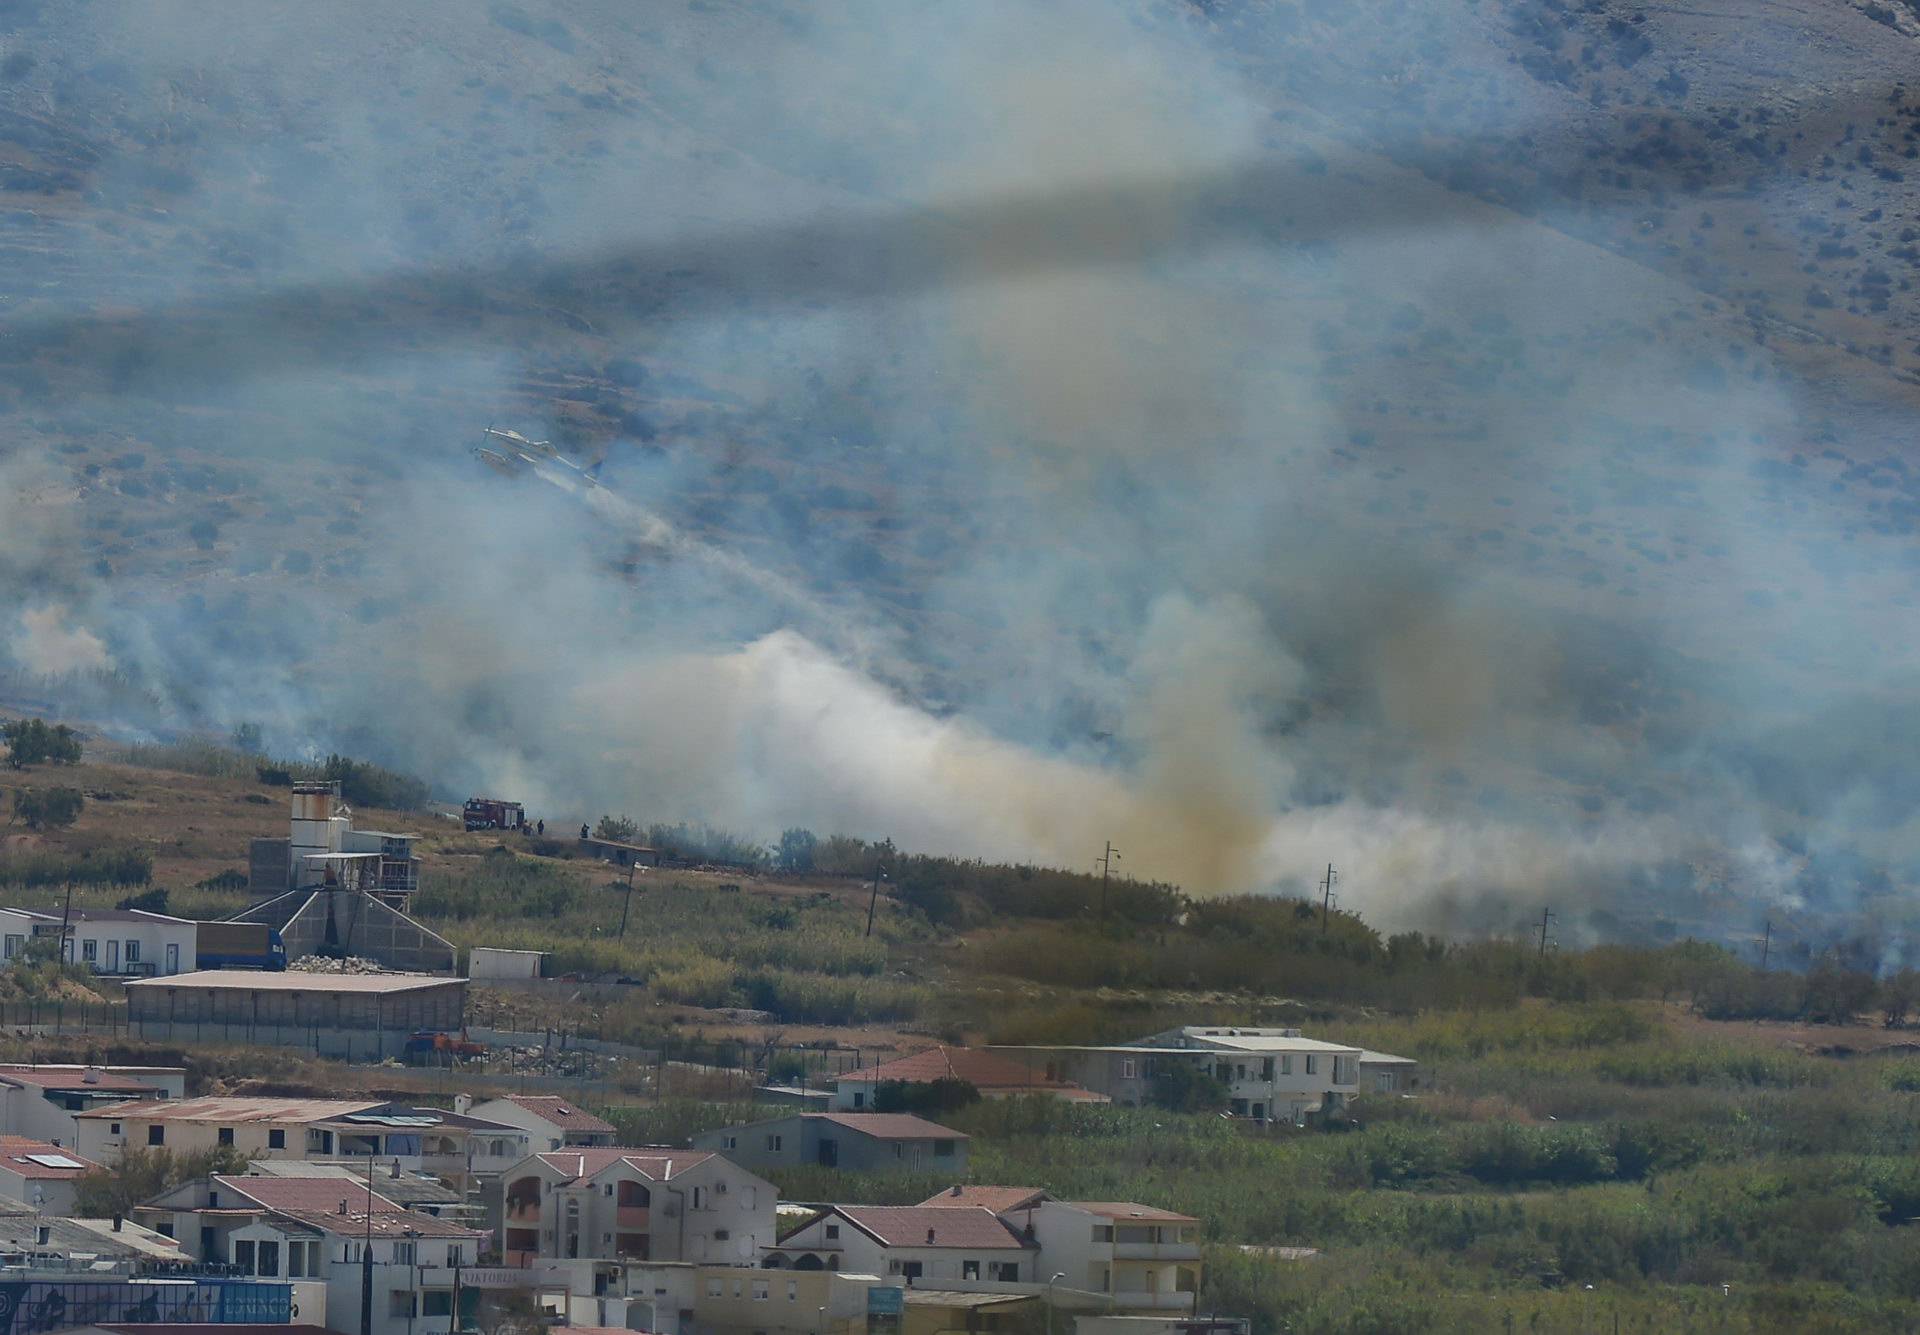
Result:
243,1256
224,1135
1103,1232
1007,1272
899,1150
773,1144
457,1254
436,1302
859,1099
1128,1068
156,1134
1286,1066
15,944
759,1290
731,1142
721,1235
739,1289
276,1139
609,1190
133,952
403,1253
89,951
943,1149
969,1270
716,1289
699,1198
270,1259
793,1290
833,1232
400,1302
113,1128
1313,1064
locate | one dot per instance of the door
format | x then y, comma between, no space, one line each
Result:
113,956
173,957
829,1153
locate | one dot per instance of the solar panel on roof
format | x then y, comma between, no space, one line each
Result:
54,1161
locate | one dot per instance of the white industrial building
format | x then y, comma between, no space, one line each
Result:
123,943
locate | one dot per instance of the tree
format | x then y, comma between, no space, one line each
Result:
144,1173
796,851
31,742
150,901
1184,1086
931,1098
620,829
246,739
47,808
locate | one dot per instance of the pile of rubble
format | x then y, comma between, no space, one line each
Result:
321,964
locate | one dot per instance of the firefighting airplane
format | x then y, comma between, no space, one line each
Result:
515,454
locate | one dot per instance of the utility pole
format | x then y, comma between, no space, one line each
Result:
1547,915
1106,870
1326,897
628,902
366,1261
66,916
1766,946
873,900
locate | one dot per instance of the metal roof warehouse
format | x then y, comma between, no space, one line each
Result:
352,1015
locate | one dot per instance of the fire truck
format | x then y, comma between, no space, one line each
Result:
490,813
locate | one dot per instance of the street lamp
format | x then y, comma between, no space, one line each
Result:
1058,1275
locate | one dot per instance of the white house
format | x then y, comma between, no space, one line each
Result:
613,1203
860,1142
34,1173
1270,1074
552,1122
935,1248
1143,1259
125,943
316,1231
44,1102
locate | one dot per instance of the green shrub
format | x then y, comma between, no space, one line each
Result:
31,741
48,808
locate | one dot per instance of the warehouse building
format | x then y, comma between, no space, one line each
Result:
354,1016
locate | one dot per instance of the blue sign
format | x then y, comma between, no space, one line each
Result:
886,1302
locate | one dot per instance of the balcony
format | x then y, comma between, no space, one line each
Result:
519,1260
632,1219
1156,1251
522,1211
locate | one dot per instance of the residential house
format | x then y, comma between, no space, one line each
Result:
1143,1258
127,943
317,1232
863,1142
939,1247
552,1122
40,1175
963,1312
1270,1074
617,1204
410,1190
1384,1073
42,1102
465,1152
994,1076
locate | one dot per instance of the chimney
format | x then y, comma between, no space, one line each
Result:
116,1223
343,1205
396,1167
956,1189
90,1076
462,1102
929,1237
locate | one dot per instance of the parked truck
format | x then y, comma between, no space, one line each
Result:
240,945
490,813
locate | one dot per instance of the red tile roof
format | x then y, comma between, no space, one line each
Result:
306,1193
982,1070
918,1226
997,1199
13,1157
233,1110
54,1077
890,1126
662,1165
567,1116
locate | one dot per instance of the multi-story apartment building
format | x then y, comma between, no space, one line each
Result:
609,1203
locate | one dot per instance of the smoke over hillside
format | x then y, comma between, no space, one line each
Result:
1022,428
